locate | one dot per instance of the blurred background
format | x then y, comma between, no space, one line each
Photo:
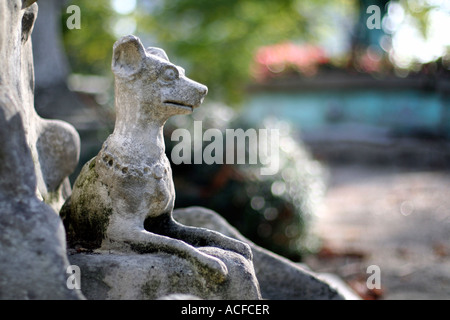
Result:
361,98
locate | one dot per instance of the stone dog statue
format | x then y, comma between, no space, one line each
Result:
124,197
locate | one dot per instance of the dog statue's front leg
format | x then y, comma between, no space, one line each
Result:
121,233
198,237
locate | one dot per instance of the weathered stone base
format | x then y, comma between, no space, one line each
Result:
106,276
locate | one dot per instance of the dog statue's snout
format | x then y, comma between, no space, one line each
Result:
204,90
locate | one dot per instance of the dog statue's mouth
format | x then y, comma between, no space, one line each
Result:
179,104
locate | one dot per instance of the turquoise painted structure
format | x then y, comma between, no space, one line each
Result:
402,106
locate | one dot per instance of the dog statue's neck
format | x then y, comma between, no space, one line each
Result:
138,129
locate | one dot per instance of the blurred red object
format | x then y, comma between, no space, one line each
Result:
287,56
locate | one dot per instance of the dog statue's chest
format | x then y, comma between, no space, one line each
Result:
142,186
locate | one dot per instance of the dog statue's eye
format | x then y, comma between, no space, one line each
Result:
170,73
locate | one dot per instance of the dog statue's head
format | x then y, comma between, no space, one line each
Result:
148,76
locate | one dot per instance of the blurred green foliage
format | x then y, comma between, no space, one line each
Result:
89,49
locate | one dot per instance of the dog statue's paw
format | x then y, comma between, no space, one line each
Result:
213,266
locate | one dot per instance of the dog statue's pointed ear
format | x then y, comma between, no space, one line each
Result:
128,56
158,52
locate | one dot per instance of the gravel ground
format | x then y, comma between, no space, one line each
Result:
397,219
